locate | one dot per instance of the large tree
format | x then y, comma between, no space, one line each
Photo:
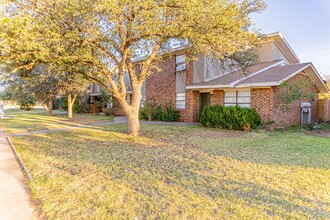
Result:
102,38
45,82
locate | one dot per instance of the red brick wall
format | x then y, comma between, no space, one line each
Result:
161,85
292,117
217,97
191,113
261,100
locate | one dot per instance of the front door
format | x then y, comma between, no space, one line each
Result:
205,100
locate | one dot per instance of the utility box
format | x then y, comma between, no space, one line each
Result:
306,113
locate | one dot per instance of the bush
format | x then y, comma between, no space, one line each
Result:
233,117
27,103
167,113
81,107
62,103
159,113
148,112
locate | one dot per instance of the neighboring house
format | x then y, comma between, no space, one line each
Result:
191,85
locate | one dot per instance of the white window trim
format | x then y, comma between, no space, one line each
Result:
180,64
236,103
180,100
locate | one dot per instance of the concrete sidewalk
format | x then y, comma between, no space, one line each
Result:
15,200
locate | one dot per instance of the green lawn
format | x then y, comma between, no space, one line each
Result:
178,173
19,121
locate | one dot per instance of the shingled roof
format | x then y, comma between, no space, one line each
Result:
275,74
261,74
236,75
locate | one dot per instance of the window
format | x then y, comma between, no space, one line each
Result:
180,63
180,90
94,88
241,98
180,100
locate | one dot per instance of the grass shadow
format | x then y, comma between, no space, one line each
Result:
169,171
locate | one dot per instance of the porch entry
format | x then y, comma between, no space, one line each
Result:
205,99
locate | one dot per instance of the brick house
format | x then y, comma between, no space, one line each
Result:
191,85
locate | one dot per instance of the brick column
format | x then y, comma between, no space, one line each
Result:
192,106
217,97
262,100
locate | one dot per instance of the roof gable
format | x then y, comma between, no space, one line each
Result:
284,46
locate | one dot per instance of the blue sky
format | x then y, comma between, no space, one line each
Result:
305,24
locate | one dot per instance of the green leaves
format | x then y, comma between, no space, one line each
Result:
99,33
100,39
232,118
290,92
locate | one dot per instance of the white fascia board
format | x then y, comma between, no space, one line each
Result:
302,69
279,34
268,84
256,73
319,76
228,87
274,34
207,87
290,48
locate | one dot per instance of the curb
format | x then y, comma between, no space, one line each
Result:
19,160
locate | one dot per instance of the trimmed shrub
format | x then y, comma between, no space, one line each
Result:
232,118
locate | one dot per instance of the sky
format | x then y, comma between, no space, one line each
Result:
305,24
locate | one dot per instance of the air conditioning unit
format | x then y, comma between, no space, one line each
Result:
306,113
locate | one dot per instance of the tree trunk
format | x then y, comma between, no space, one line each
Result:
48,104
70,105
132,113
50,107
134,127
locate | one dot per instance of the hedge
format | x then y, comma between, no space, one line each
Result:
232,118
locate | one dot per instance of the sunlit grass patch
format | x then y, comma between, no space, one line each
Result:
178,173
20,121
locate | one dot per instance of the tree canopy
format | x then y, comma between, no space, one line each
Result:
101,39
